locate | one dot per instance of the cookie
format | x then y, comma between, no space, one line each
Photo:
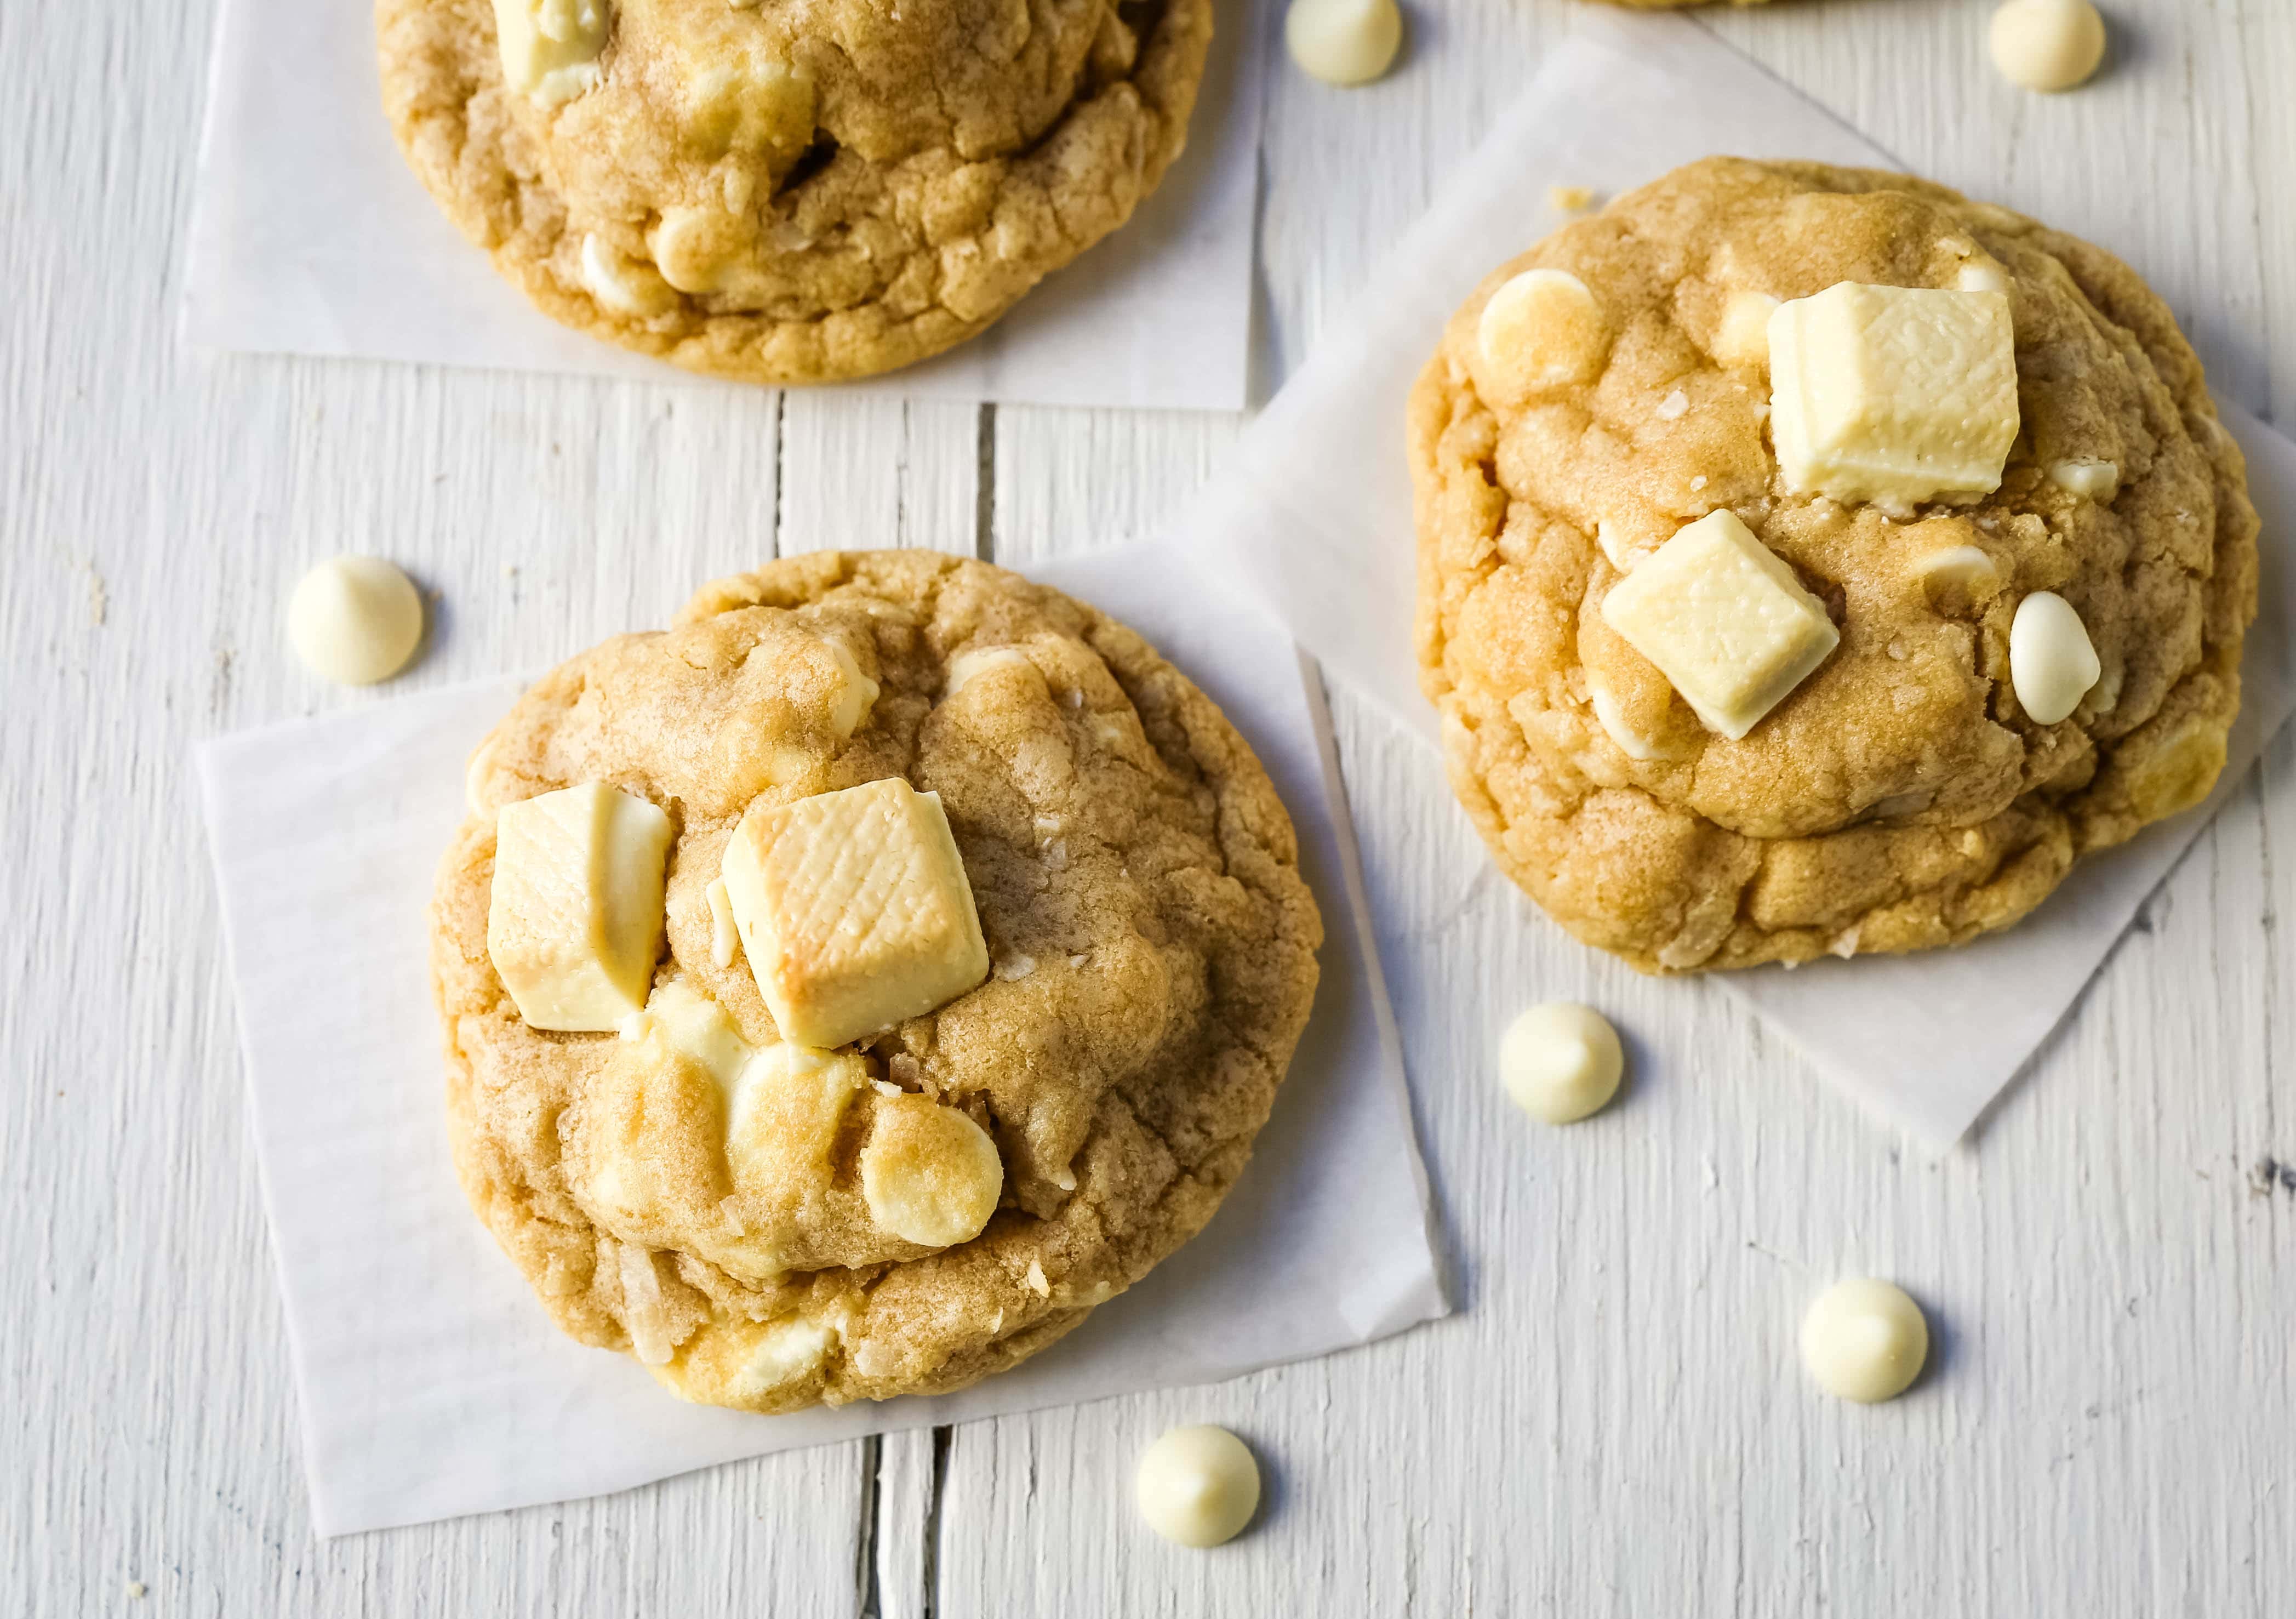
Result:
787,193
964,1176
1978,626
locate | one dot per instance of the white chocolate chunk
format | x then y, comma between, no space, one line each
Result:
786,1353
725,938
1964,570
969,666
2052,662
1542,329
1865,1339
855,697
2048,44
1896,394
854,910
624,286
1724,621
1343,42
2088,477
1198,1486
550,48
642,1308
574,921
355,619
929,1173
1981,277
1744,340
1561,1062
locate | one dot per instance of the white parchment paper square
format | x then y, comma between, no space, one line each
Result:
311,235
1313,519
430,1382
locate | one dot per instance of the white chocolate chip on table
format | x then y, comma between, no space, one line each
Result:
1724,621
1865,1339
1198,1486
355,619
575,918
1561,1062
1895,394
2052,664
2048,44
854,910
1343,42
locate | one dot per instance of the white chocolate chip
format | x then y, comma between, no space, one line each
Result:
2090,478
1561,1062
930,1174
1895,394
1865,1339
1673,408
2048,44
1541,329
2052,662
1632,743
1198,1486
1343,42
355,619
1744,340
1035,1278
623,285
690,249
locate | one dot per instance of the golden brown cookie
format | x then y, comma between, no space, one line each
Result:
1901,796
788,193
770,1226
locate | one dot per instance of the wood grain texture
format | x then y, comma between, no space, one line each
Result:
1613,1423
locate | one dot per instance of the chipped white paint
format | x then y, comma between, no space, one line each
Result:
1615,1422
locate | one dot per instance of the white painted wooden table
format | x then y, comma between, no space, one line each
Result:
1613,1423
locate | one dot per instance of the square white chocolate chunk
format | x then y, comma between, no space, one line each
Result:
1895,394
574,921
854,910
1724,620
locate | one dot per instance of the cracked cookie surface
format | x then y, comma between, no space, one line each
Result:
1152,949
1899,798
797,191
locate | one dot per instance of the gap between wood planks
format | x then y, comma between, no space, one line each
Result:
868,1589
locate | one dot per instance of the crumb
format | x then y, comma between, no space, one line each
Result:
1569,198
99,599
136,1589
